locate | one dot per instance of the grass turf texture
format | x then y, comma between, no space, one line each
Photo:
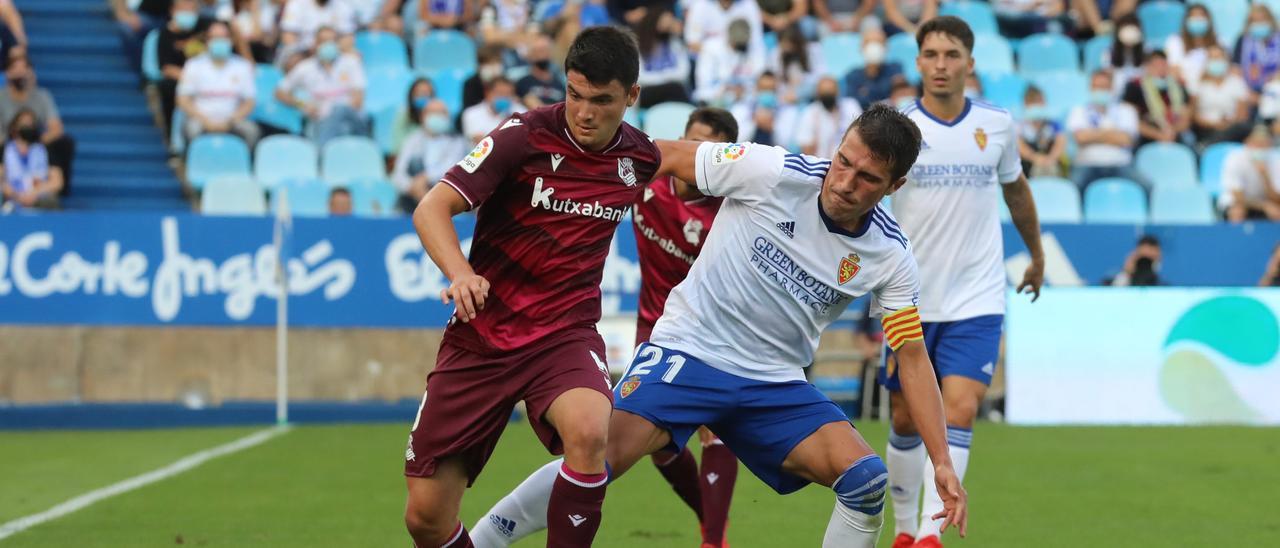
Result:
342,486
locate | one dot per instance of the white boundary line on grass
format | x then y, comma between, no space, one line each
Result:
182,465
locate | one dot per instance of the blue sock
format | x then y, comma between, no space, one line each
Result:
862,486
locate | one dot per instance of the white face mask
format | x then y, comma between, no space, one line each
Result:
489,72
1129,36
873,53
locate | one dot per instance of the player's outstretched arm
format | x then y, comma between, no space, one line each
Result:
1022,209
679,159
924,401
433,220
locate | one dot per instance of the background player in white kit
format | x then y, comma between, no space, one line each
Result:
949,209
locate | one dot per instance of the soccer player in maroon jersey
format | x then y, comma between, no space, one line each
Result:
550,186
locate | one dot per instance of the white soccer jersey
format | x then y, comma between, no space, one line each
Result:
775,271
950,209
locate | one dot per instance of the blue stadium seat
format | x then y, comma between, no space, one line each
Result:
1062,91
1160,19
348,159
215,155
1166,164
1186,205
992,54
1095,51
633,116
384,125
374,198
1229,17
842,52
1004,90
151,56
667,120
306,197
1211,165
388,88
266,108
232,195
280,158
448,84
1040,53
979,15
381,49
1113,200
1057,200
902,49
444,49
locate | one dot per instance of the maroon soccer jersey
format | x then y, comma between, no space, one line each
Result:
547,213
669,235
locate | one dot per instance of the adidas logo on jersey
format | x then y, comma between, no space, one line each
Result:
576,519
505,526
788,228
989,369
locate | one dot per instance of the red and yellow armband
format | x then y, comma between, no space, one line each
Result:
902,326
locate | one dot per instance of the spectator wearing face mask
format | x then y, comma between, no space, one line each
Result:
499,103
1221,102
181,39
757,116
28,180
1128,52
902,95
21,93
329,88
426,155
217,90
542,86
1188,49
822,124
1251,180
1164,112
1258,49
725,63
1141,267
873,81
422,91
488,66
664,61
1042,143
1105,131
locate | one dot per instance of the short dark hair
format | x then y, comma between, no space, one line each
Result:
1148,239
339,191
603,54
1157,54
1032,92
495,82
719,120
948,25
891,136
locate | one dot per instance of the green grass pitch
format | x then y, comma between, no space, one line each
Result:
342,486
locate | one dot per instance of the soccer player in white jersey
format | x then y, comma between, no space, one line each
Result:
796,240
949,209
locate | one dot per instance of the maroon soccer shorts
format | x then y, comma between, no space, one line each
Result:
470,396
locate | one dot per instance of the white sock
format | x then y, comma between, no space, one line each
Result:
859,512
958,439
852,529
519,514
906,458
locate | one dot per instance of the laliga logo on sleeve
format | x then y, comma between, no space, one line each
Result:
730,153
848,268
627,171
471,162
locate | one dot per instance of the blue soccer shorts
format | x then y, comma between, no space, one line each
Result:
966,348
761,422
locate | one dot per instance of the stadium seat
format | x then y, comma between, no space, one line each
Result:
842,52
1004,90
1057,200
1062,91
633,116
266,108
381,49
1166,164
306,197
384,125
1211,165
215,155
667,120
177,137
1113,200
232,195
1229,17
992,54
1160,20
444,49
979,15
1186,205
1095,52
1040,53
151,56
388,88
902,50
374,198
348,159
448,84
279,158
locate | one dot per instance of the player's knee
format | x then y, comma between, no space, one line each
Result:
902,423
961,411
862,486
585,439
426,521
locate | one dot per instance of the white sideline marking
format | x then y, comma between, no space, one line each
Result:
182,465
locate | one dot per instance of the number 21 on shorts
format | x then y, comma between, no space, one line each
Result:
648,357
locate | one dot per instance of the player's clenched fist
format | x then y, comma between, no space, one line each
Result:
468,292
955,501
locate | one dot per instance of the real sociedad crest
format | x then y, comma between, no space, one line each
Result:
627,171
